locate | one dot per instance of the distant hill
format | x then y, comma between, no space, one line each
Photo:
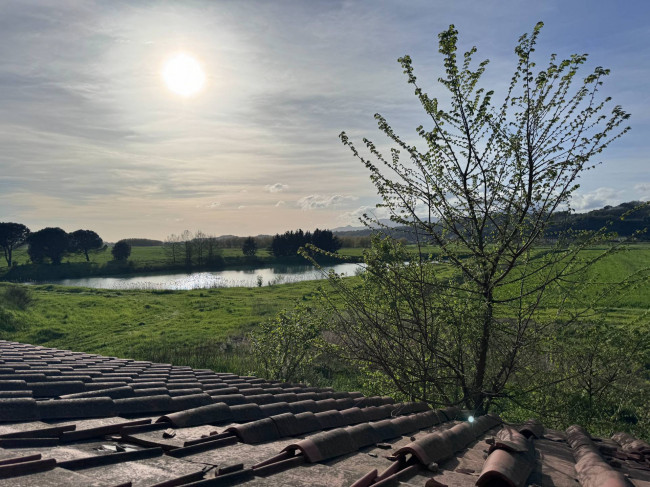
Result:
614,217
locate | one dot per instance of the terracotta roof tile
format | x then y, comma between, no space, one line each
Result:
69,418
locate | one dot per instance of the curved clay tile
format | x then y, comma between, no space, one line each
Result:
374,413
179,403
405,424
331,419
353,415
435,447
229,399
143,405
246,412
302,406
386,429
302,396
275,408
592,470
112,392
87,407
441,445
326,404
344,403
211,413
326,445
510,462
18,409
532,428
286,397
261,399
630,444
256,432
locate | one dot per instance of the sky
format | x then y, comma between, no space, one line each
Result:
92,137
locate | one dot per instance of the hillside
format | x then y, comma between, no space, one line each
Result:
622,219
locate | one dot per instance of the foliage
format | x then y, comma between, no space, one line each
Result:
121,250
290,242
249,247
18,296
483,192
50,242
8,323
84,241
592,374
286,346
173,248
629,219
12,235
198,249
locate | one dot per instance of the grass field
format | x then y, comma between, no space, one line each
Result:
142,260
125,323
121,322
207,328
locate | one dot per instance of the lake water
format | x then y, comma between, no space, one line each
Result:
205,280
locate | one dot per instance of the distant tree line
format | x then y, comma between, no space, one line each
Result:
188,249
142,242
234,242
354,242
51,243
625,220
630,219
288,243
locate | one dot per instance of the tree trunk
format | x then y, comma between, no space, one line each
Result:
478,396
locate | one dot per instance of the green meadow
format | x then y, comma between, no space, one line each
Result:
134,323
207,328
137,322
142,260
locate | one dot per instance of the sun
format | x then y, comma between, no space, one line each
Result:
183,74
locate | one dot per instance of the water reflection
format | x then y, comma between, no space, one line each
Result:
205,280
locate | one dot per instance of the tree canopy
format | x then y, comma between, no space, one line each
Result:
288,244
50,242
84,241
12,235
121,250
249,247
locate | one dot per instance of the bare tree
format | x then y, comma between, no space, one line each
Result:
173,248
187,246
200,246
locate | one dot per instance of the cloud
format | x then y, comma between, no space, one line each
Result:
597,199
317,202
353,217
643,190
276,188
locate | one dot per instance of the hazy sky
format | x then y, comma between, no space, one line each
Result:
91,136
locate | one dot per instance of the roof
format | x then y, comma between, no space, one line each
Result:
69,418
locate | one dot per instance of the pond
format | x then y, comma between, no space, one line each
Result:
204,280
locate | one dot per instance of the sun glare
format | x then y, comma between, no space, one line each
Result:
183,75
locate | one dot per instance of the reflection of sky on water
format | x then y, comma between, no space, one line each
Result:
204,280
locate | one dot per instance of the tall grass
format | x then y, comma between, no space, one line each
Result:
231,355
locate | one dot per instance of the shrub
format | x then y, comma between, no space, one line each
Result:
121,250
286,346
18,296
